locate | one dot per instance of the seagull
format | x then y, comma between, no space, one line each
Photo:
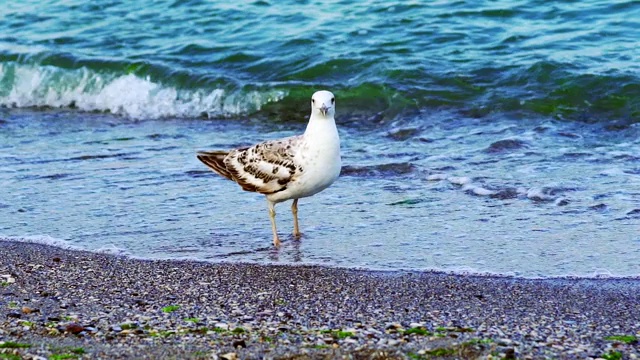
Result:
289,168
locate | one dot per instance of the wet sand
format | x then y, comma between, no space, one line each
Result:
87,305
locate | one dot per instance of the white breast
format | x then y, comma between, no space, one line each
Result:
319,158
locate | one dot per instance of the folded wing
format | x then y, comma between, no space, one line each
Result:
267,168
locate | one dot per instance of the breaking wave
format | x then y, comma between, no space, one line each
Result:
27,86
147,91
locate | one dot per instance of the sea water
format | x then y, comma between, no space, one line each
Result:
493,137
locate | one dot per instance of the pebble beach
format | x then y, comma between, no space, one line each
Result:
487,205
66,304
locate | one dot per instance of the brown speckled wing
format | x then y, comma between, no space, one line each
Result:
215,161
267,167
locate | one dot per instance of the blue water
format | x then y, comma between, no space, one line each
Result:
488,137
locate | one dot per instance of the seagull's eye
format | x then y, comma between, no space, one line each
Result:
333,100
313,101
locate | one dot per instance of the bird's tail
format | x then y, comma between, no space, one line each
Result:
215,161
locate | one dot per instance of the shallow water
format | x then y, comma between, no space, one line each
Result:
535,198
492,136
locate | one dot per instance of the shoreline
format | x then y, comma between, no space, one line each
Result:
62,245
58,301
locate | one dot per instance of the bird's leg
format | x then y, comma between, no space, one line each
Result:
294,211
272,216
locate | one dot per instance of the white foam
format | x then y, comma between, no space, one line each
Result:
539,194
463,181
43,240
126,95
437,177
66,245
478,190
113,250
459,180
612,172
602,274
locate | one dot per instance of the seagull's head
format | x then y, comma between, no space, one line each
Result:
324,103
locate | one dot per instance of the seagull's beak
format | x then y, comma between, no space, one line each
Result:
324,109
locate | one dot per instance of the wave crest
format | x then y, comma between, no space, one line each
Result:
25,86
141,90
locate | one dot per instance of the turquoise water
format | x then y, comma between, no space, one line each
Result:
576,59
487,136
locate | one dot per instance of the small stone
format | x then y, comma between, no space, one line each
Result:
14,314
8,279
56,259
222,326
53,318
28,310
129,325
141,302
74,328
229,356
393,328
239,343
510,353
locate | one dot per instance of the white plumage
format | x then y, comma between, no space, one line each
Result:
289,168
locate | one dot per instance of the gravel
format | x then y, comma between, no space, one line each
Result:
58,303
